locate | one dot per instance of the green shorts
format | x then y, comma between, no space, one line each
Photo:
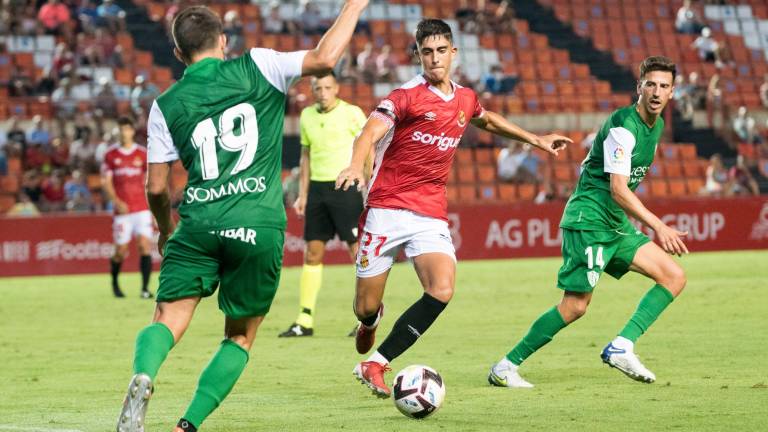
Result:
587,254
246,262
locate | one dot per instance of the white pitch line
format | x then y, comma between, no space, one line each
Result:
34,429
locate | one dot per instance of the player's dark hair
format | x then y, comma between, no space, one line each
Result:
325,74
125,120
658,63
195,29
429,27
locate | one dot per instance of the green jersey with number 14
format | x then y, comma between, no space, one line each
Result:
224,121
625,145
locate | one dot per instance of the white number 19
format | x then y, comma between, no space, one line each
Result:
205,135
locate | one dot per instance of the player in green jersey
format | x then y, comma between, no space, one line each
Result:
598,237
224,120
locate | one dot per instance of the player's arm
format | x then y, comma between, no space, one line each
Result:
109,188
669,238
159,199
330,48
497,124
373,131
304,166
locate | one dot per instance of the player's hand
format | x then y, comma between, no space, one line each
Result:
553,143
671,240
300,205
349,176
121,207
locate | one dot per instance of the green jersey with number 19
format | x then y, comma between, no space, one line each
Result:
625,145
224,121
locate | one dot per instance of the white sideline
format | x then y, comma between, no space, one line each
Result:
34,429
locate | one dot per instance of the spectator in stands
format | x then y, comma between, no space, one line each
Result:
497,82
54,17
697,92
59,152
589,140
546,193
88,15
107,141
6,22
274,23
682,98
105,100
708,47
20,83
77,195
687,20
3,162
744,127
366,63
54,198
82,154
31,185
462,79
344,69
28,23
143,94
16,139
38,132
741,180
503,19
764,91
81,126
233,28
64,101
386,65
24,207
717,177
516,163
310,19
111,16
63,57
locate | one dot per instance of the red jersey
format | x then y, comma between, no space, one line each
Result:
129,172
414,158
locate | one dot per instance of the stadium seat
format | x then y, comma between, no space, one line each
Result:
466,174
677,187
467,193
507,192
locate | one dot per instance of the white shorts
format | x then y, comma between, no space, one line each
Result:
127,226
385,231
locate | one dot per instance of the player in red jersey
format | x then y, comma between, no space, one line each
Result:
416,130
123,175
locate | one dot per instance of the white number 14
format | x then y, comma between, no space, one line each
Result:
597,259
205,135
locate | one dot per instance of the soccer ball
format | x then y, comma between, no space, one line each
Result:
418,391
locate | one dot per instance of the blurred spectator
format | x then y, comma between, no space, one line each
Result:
461,78
28,23
503,19
38,133
20,83
105,100
366,63
744,127
112,16
717,177
516,163
89,53
682,98
101,149
24,207
3,162
81,126
63,58
64,101
687,20
77,194
465,15
546,193
311,21
31,185
54,198
696,91
764,91
497,82
59,152
589,140
82,153
344,69
386,65
142,95
233,28
273,23
16,139
116,59
708,47
88,15
54,16
170,13
741,180
37,157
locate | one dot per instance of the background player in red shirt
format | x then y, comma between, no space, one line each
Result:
416,130
123,175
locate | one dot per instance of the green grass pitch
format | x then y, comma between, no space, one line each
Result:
67,347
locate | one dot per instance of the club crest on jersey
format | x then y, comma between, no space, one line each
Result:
138,162
462,119
430,116
592,277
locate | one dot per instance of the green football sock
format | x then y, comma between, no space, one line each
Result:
216,381
153,343
542,331
651,306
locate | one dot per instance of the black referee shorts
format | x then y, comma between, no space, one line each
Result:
330,212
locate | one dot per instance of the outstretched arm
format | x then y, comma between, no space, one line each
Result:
330,48
497,124
669,238
373,131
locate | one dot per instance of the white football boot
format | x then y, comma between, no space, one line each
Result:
504,374
135,404
620,354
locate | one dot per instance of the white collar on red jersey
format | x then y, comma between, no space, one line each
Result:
126,151
420,80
